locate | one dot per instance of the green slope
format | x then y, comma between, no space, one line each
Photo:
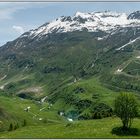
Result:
80,129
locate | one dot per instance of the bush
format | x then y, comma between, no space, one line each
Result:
86,115
24,122
16,126
83,104
126,108
10,127
101,111
68,124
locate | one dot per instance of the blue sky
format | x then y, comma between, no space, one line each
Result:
18,17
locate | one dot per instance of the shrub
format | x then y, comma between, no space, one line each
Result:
101,110
10,127
24,122
126,108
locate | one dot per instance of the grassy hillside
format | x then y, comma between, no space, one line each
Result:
77,75
43,120
65,57
79,129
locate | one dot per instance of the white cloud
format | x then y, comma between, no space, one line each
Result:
8,9
18,29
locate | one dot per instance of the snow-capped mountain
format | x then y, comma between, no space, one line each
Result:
108,45
92,22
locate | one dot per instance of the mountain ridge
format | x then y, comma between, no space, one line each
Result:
94,21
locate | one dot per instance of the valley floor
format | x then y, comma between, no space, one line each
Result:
101,128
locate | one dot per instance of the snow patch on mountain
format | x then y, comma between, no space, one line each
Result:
100,38
129,43
138,57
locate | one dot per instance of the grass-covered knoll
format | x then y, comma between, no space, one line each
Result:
14,109
90,89
83,98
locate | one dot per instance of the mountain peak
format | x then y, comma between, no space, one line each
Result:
82,14
134,15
